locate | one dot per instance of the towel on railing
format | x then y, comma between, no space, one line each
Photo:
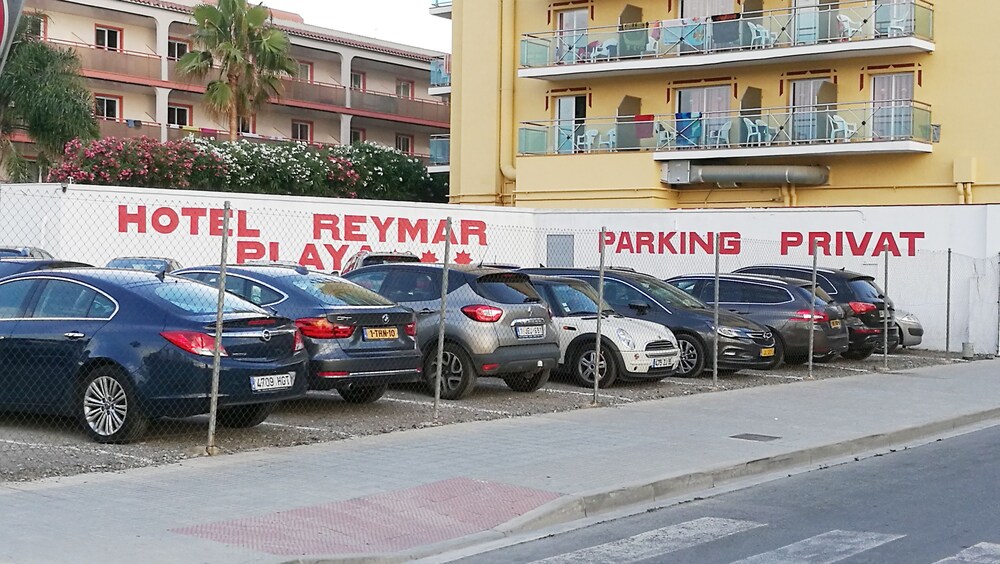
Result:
133,123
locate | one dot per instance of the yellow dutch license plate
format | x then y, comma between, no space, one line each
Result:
381,333
835,324
767,352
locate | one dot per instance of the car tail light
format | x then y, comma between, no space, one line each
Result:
299,343
322,328
333,374
201,344
411,329
483,313
861,308
806,315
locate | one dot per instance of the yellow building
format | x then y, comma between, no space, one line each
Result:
723,103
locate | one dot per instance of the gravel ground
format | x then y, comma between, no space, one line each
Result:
33,447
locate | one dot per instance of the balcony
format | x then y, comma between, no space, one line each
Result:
406,107
128,128
440,76
440,159
123,63
314,93
441,8
902,126
804,33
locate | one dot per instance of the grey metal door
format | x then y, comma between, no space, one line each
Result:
559,251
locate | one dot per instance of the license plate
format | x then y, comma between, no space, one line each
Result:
661,362
767,352
835,324
268,383
530,332
381,333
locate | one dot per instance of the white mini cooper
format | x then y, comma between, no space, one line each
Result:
637,349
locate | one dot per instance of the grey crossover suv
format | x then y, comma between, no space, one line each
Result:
495,324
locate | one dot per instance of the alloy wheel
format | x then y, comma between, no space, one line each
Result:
586,366
689,356
452,371
105,406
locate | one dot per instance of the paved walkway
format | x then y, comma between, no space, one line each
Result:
408,490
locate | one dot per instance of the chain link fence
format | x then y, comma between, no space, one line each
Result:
274,324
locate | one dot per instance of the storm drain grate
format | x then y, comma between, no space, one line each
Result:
754,437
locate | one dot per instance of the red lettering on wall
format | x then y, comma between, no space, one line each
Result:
326,223
473,228
382,225
126,219
242,229
352,228
194,216
165,220
412,232
790,240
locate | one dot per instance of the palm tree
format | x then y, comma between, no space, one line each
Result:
249,52
42,95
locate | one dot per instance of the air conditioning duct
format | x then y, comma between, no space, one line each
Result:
685,172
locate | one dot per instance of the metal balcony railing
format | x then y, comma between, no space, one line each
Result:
864,20
440,3
128,128
441,72
440,150
125,63
314,92
896,120
406,107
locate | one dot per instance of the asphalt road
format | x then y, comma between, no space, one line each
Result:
933,504
33,447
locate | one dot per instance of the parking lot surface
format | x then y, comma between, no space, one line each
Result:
33,447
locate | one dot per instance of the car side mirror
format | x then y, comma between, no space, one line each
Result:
640,307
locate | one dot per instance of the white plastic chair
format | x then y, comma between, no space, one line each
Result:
839,125
665,136
753,132
767,134
848,27
610,141
604,50
585,141
720,137
652,47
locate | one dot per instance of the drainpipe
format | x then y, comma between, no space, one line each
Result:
795,196
961,192
968,193
786,195
507,92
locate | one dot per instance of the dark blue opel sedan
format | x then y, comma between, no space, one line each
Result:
117,348
359,342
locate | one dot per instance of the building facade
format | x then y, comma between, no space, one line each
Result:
722,103
349,88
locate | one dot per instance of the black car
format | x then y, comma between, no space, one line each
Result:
12,266
853,290
118,348
359,342
782,305
744,344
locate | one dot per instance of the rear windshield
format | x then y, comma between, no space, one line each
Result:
822,298
507,288
667,294
866,289
568,299
149,265
196,298
334,291
388,259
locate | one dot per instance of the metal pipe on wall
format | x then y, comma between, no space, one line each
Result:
507,67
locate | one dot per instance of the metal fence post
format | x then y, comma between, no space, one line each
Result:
715,315
812,310
998,304
947,312
600,316
885,313
213,411
441,324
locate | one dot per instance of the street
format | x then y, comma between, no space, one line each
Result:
933,504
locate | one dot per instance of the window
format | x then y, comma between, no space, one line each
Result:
688,286
706,8
571,35
250,290
248,125
357,136
302,131
336,292
358,81
758,294
177,48
710,100
13,296
413,286
195,298
571,111
404,143
37,25
305,71
107,107
109,38
369,279
507,288
572,299
404,88
619,295
180,115
60,299
893,100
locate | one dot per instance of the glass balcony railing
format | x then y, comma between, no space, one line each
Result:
898,120
441,72
843,22
440,150
441,3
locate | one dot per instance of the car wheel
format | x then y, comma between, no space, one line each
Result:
109,407
527,381
244,416
458,377
857,354
692,356
585,366
362,394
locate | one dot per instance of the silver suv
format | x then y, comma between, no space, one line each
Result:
496,323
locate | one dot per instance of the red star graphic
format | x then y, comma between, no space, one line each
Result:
429,257
463,258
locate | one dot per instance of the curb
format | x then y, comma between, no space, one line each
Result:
600,502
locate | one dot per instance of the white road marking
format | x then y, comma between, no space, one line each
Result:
982,553
655,543
823,549
449,405
78,449
688,383
782,377
588,394
837,367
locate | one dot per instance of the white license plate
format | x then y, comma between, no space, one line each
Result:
268,383
662,362
530,332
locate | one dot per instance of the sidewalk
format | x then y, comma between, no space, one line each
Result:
401,492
